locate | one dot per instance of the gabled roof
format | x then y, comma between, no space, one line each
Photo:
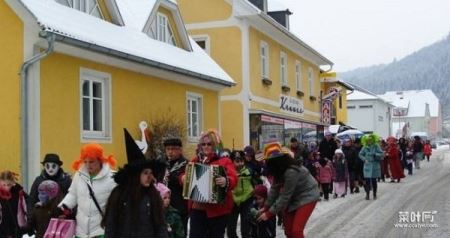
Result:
417,101
359,95
124,41
135,13
264,20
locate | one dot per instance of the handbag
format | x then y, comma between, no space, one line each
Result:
51,228
60,228
66,229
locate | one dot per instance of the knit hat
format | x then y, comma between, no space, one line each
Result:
248,150
163,189
50,188
338,151
274,150
93,151
260,190
173,142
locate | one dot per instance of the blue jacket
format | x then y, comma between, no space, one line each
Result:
371,156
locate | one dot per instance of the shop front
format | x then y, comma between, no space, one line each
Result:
266,127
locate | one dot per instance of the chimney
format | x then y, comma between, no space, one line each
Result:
281,17
261,4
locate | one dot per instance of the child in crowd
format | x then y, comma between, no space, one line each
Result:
175,227
324,175
13,220
340,176
262,229
427,150
49,197
242,197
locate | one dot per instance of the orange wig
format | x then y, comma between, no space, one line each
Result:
93,151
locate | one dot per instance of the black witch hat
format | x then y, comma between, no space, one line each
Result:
137,162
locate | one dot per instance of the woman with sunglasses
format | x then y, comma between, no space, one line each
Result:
207,219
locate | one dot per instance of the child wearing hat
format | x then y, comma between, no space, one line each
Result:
49,195
175,228
263,229
294,191
340,176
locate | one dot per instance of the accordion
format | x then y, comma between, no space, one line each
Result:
199,184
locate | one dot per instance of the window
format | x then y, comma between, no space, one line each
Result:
194,115
90,7
164,32
283,69
203,42
95,105
298,75
311,81
264,60
365,106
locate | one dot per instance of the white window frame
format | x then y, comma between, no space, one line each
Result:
298,75
264,59
105,79
204,38
283,69
164,32
311,81
83,6
194,136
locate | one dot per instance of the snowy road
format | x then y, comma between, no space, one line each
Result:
427,190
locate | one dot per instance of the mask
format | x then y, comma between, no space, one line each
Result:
51,168
43,198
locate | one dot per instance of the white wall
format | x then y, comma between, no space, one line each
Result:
373,119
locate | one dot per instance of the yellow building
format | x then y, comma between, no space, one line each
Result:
90,68
278,92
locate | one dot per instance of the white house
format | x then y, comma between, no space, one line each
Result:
419,110
369,113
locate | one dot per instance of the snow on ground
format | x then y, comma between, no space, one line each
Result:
353,216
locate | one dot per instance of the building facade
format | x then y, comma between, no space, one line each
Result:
369,113
278,90
89,70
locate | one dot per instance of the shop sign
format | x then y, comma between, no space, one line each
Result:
274,120
326,112
291,105
288,124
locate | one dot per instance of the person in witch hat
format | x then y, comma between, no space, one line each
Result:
294,191
52,171
135,207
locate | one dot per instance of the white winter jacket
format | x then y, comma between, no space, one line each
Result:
88,217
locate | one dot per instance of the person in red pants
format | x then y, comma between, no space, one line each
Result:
294,192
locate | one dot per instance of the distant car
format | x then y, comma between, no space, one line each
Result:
442,145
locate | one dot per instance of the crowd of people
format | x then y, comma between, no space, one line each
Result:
145,197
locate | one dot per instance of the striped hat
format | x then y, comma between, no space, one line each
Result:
275,150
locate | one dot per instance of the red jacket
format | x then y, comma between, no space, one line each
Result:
215,210
427,149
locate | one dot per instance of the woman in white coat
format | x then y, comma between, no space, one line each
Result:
90,189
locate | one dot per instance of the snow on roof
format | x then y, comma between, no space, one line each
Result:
359,95
135,13
274,5
415,101
77,25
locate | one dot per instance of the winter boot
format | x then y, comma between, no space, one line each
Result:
356,190
367,196
374,195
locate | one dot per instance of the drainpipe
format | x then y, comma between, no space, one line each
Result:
24,131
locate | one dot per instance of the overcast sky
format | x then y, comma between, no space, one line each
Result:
356,33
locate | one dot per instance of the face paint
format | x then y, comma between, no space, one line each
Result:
51,168
43,198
